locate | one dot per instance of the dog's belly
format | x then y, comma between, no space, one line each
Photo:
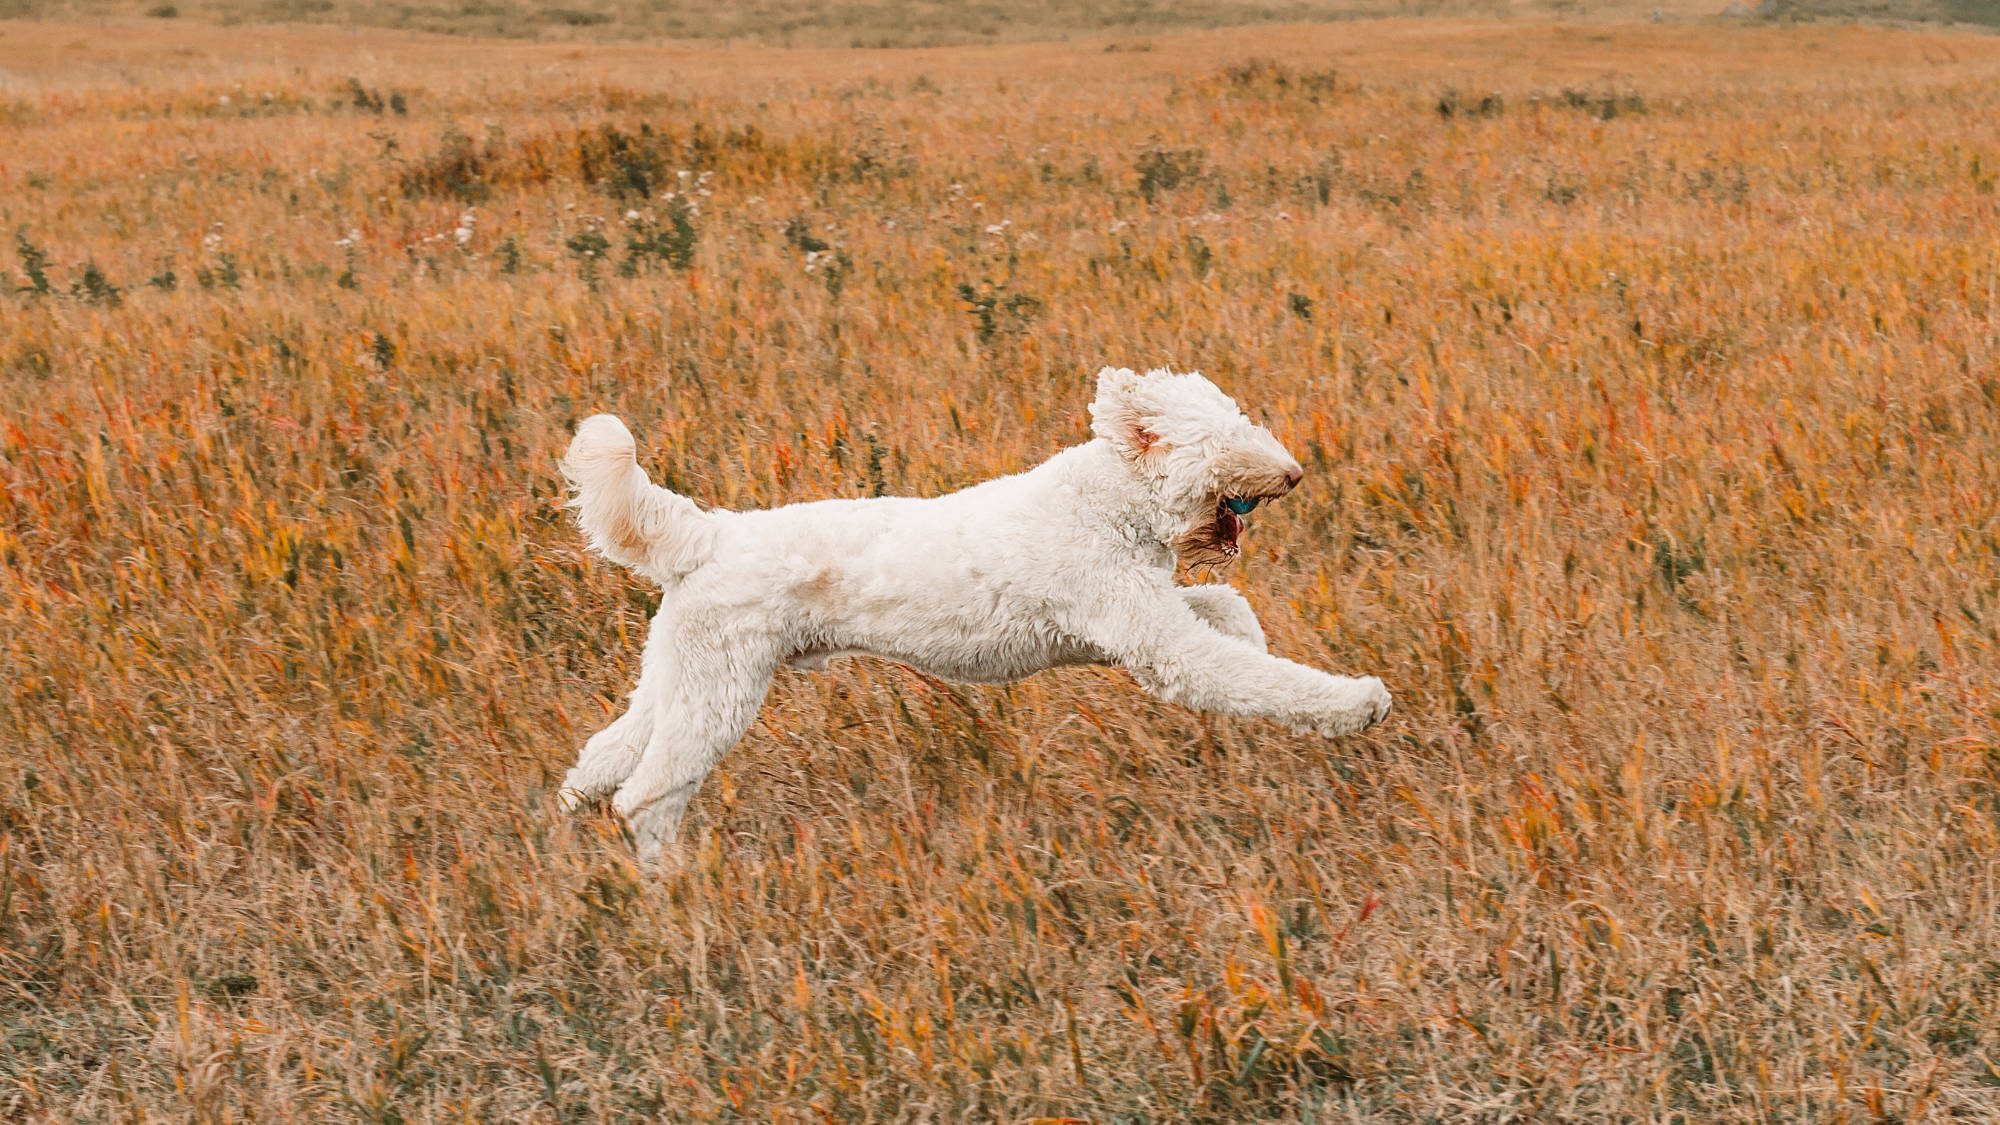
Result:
996,665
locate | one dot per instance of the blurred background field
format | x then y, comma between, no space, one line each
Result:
931,23
1645,375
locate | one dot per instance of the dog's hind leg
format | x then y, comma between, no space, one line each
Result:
1225,611
714,696
612,753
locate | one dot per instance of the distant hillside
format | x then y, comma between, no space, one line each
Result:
1982,12
919,23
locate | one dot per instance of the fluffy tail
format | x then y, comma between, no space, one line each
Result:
629,519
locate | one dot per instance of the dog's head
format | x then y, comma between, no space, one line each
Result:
1206,463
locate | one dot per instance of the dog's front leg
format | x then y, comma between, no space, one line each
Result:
1225,611
1179,657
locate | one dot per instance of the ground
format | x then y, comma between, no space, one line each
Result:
1644,374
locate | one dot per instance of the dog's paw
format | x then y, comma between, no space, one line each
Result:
1366,703
1379,701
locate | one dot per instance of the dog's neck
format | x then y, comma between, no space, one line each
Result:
1117,498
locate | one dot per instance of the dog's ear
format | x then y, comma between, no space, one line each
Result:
1118,416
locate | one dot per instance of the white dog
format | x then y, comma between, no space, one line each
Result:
1072,562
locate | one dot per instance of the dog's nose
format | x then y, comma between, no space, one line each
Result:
1293,476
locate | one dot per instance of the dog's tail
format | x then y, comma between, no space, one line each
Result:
629,519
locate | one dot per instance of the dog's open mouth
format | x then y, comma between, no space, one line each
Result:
1229,513
1218,540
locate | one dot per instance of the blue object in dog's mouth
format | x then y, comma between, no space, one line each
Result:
1239,505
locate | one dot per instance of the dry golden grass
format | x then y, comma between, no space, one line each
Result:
1651,432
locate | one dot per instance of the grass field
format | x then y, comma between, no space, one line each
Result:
1646,381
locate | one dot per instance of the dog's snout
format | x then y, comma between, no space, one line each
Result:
1293,476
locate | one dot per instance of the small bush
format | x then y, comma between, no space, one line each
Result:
225,275
1452,104
801,237
95,287
575,17
363,98
625,166
590,247
671,242
34,263
1200,256
1275,79
1164,169
1604,107
995,311
459,169
371,101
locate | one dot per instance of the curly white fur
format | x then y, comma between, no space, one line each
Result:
1072,562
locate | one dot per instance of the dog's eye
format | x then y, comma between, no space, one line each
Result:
1239,505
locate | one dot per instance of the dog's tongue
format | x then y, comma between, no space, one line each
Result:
1230,526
